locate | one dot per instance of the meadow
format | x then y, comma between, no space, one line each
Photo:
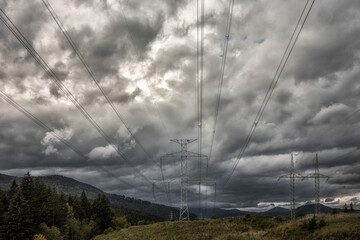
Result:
254,227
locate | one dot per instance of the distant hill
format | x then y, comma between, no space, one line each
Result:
217,212
310,209
120,203
62,184
277,211
221,213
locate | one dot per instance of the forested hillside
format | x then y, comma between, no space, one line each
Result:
134,208
31,210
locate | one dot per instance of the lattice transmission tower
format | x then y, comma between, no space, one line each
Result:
184,155
292,175
316,175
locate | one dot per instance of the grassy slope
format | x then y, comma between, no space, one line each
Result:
338,226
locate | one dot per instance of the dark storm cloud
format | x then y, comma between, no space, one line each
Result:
60,70
126,98
332,51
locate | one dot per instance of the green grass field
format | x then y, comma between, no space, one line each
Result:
332,227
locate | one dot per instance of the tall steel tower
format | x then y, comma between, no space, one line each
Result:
184,155
317,177
292,177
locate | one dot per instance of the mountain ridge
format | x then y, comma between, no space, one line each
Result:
120,203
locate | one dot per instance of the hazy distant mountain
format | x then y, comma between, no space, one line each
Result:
119,202
277,211
217,212
310,209
221,213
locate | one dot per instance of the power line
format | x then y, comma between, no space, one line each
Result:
273,84
41,124
137,52
20,37
221,80
222,71
157,110
92,75
200,76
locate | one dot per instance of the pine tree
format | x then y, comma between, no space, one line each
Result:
38,201
351,207
13,189
102,213
4,204
76,207
20,224
72,228
85,206
31,191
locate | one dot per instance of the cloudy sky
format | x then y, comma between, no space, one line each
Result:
143,53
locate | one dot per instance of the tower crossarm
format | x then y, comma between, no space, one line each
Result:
289,176
170,155
316,176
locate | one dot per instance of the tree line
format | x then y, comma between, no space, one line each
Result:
31,210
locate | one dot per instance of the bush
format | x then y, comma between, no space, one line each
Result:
120,222
299,214
311,224
39,237
52,232
322,223
108,230
279,219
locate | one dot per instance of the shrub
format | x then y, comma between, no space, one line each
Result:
52,232
279,219
108,230
311,224
322,223
39,237
299,214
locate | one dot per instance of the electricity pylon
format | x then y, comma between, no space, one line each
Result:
317,177
292,177
184,154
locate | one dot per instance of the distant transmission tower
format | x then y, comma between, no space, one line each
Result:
317,177
184,154
292,177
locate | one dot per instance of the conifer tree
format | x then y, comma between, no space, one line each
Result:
85,206
4,204
72,228
20,224
102,213
13,189
351,207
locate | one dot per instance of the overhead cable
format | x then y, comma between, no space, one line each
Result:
274,82
53,76
41,124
